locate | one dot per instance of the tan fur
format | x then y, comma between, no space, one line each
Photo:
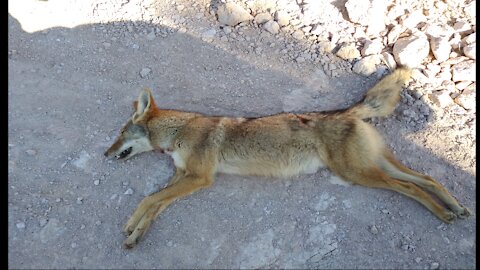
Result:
280,145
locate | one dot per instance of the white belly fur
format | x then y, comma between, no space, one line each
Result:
177,159
242,167
308,166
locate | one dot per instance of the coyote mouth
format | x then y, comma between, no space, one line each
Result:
125,153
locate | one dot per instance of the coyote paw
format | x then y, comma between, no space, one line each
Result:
130,243
464,213
448,217
128,228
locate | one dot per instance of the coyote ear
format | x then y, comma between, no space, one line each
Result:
135,105
142,105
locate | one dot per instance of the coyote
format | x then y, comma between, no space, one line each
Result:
280,145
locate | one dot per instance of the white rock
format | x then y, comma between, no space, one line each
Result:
413,19
389,60
298,35
470,51
263,17
282,18
394,33
445,75
227,29
209,34
326,46
31,152
462,85
129,191
470,39
461,26
42,221
232,14
470,10
20,225
395,12
441,48
272,27
435,30
410,51
366,12
441,98
434,265
419,77
467,98
96,182
348,51
464,71
317,30
374,46
144,72
367,65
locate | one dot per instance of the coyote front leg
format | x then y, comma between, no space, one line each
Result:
182,184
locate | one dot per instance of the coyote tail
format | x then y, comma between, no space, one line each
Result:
381,99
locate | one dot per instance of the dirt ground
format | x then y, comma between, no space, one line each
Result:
71,83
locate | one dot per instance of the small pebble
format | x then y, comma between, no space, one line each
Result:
31,152
434,265
43,222
20,225
96,182
82,227
98,222
144,72
128,192
373,229
74,245
418,259
79,200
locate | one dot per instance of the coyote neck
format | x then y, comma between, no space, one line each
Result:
165,127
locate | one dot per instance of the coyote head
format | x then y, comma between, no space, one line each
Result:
134,136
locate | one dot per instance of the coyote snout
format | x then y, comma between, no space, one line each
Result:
280,145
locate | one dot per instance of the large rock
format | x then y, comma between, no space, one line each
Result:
272,27
370,13
470,51
467,98
410,51
413,19
441,98
232,14
374,46
464,71
441,48
389,60
348,51
282,18
263,18
367,65
470,10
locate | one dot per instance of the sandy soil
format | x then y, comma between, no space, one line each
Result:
71,88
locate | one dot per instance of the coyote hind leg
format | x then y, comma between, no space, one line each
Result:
376,178
398,171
